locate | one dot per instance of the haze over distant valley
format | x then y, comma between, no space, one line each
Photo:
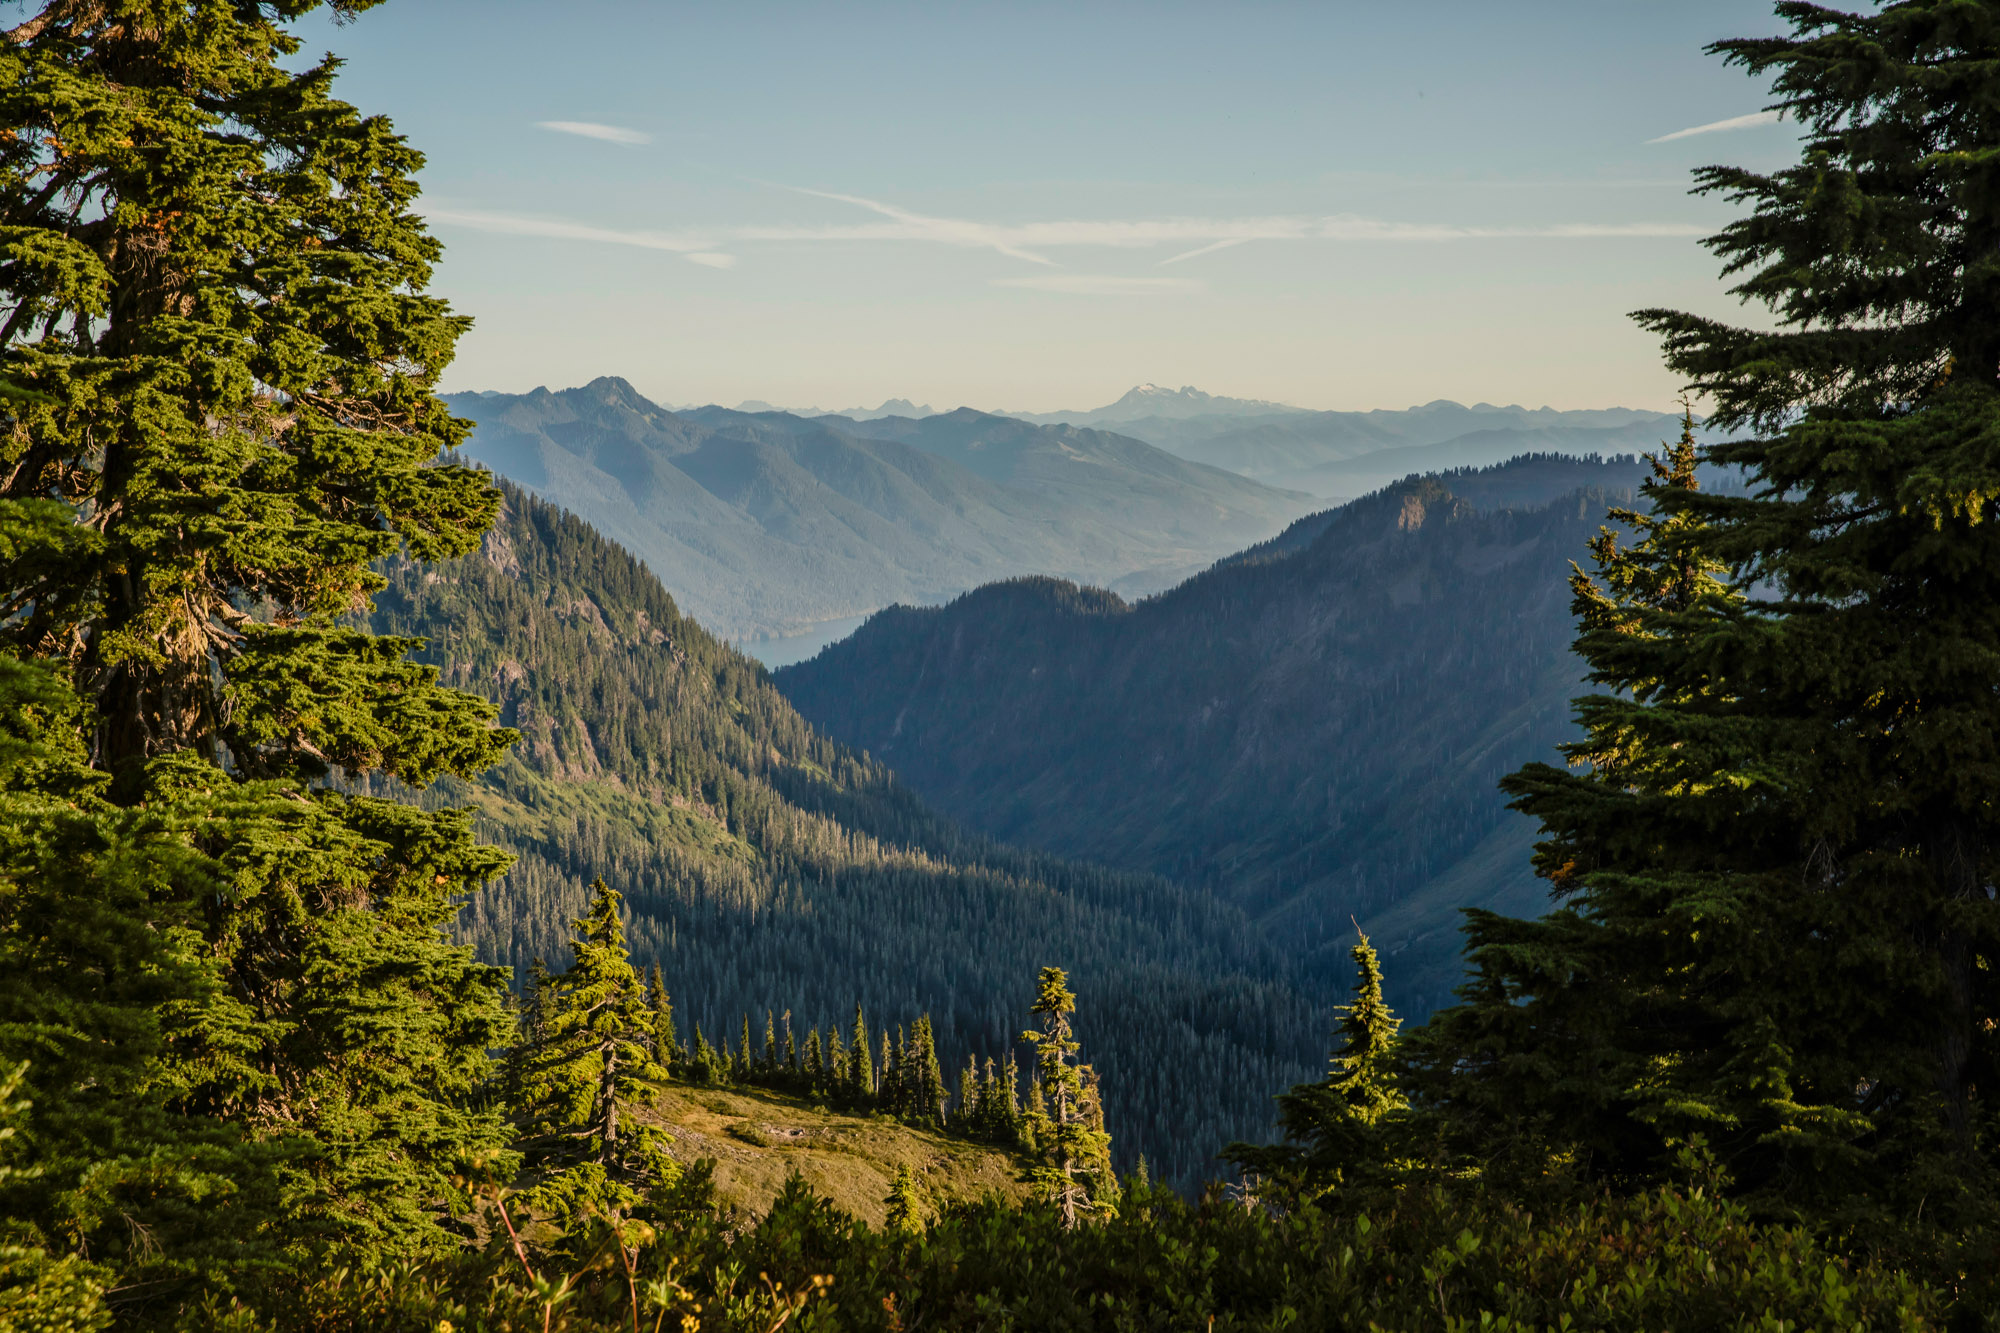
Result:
767,525
783,530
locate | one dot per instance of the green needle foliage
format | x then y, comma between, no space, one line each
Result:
1780,929
1337,1129
221,360
1067,1130
583,1071
906,1210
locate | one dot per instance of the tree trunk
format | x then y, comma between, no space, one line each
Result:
607,1104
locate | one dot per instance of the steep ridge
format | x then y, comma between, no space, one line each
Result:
1310,733
766,866
766,524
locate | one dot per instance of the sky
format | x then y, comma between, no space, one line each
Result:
1035,207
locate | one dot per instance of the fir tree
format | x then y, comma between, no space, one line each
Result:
1008,1105
891,1092
666,1042
1777,869
965,1116
594,1067
839,1070
1075,1168
815,1063
906,1211
928,1079
860,1064
771,1066
223,358
1335,1128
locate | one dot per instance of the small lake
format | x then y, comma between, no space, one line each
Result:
775,653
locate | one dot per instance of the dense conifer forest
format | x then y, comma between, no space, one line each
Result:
252,1078
766,868
1311,732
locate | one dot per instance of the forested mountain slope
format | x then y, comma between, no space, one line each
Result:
767,866
1310,733
764,524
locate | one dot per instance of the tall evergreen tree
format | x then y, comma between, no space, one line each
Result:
906,1211
891,1091
965,1113
1334,1128
1075,1167
706,1066
838,1070
666,1044
1780,925
594,1067
928,1093
221,358
860,1064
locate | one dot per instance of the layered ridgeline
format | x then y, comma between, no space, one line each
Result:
766,524
1310,732
1353,453
767,867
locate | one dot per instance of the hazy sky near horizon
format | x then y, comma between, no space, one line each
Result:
1035,207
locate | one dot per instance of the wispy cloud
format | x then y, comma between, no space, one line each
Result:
1718,126
1097,284
1032,242
699,249
588,129
949,231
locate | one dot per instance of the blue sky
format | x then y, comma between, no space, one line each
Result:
1034,207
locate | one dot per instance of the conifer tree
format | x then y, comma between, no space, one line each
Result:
666,1042
771,1066
1335,1128
839,1071
965,1115
594,1068
744,1065
906,1211
222,359
708,1067
860,1063
891,1090
1779,866
929,1090
1074,1172
815,1063
99,941
792,1070
40,1289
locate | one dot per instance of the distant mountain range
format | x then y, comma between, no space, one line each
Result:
1311,730
1345,454
1150,402
767,524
